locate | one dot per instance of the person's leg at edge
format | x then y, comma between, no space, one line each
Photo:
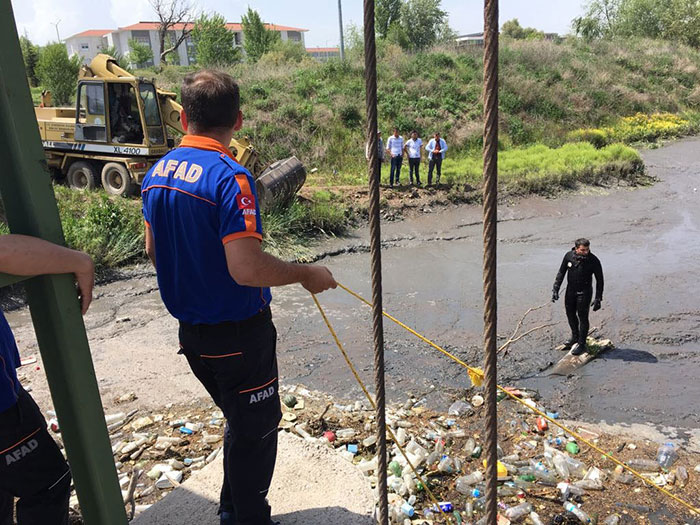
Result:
417,164
438,165
431,165
583,304
399,162
570,305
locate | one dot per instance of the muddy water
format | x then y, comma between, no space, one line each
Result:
647,240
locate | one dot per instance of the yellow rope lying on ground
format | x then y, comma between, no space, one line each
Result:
476,375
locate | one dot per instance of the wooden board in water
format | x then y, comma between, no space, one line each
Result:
570,362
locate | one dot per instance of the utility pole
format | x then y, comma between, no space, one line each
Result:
340,21
55,24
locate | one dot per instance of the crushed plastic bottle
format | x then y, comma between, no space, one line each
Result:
518,512
576,468
465,483
469,446
622,476
643,464
561,466
667,455
681,476
447,465
535,518
573,509
458,408
613,519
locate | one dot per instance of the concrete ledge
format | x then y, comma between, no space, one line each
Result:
312,485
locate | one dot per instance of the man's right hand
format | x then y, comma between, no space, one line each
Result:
318,279
555,296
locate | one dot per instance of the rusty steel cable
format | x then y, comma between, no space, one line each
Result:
375,250
490,221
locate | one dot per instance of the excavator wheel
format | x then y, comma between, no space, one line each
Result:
116,179
83,175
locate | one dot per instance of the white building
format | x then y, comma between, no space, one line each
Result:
323,54
89,43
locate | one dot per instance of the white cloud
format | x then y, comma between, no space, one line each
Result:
37,18
127,12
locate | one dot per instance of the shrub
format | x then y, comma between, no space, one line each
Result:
58,73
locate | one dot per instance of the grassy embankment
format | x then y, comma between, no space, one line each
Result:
579,96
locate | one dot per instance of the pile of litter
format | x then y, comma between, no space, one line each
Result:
545,476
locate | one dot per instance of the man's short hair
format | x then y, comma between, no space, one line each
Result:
414,131
437,132
582,242
211,100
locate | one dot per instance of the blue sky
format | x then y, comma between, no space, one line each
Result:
37,17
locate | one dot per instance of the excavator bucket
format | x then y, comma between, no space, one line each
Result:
279,183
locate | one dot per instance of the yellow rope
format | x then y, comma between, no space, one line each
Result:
475,371
374,406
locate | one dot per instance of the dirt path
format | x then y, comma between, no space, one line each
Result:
647,240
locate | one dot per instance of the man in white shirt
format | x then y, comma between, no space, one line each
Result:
394,146
412,147
436,153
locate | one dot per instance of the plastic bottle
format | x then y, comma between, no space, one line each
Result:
469,510
447,465
576,468
395,468
681,476
518,512
645,465
542,473
408,510
589,484
464,483
535,518
667,455
573,509
622,476
613,519
561,466
469,446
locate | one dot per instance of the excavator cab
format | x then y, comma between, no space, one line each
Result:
119,112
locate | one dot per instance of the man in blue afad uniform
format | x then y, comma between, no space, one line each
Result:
203,234
32,468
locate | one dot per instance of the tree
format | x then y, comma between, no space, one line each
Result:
172,14
257,39
386,13
423,22
600,19
513,29
30,54
58,73
139,54
213,42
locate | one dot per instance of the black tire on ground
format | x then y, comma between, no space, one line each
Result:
82,175
116,179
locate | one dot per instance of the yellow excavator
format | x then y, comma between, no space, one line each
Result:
118,130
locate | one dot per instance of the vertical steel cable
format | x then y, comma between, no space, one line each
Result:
490,220
375,250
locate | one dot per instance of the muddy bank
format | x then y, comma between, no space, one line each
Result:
646,238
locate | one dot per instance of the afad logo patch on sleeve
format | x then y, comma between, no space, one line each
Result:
246,203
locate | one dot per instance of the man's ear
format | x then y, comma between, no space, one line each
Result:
183,119
239,121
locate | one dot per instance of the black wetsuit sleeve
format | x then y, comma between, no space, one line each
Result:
560,275
599,281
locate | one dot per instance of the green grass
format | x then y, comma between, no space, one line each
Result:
541,169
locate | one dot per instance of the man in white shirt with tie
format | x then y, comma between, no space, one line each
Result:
412,147
394,147
436,153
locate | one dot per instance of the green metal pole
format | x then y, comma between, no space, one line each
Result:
31,209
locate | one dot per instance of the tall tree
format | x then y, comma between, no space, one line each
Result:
513,29
213,42
171,14
30,54
423,22
257,39
386,12
58,73
139,54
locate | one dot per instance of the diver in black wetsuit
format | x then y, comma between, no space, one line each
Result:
581,266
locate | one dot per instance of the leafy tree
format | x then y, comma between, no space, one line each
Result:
513,29
386,13
139,54
285,52
30,54
58,73
600,19
423,22
257,39
214,42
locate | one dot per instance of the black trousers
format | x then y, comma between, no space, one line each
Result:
413,165
237,364
32,468
577,306
435,162
395,168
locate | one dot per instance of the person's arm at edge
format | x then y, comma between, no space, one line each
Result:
29,256
599,280
560,276
248,265
150,244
